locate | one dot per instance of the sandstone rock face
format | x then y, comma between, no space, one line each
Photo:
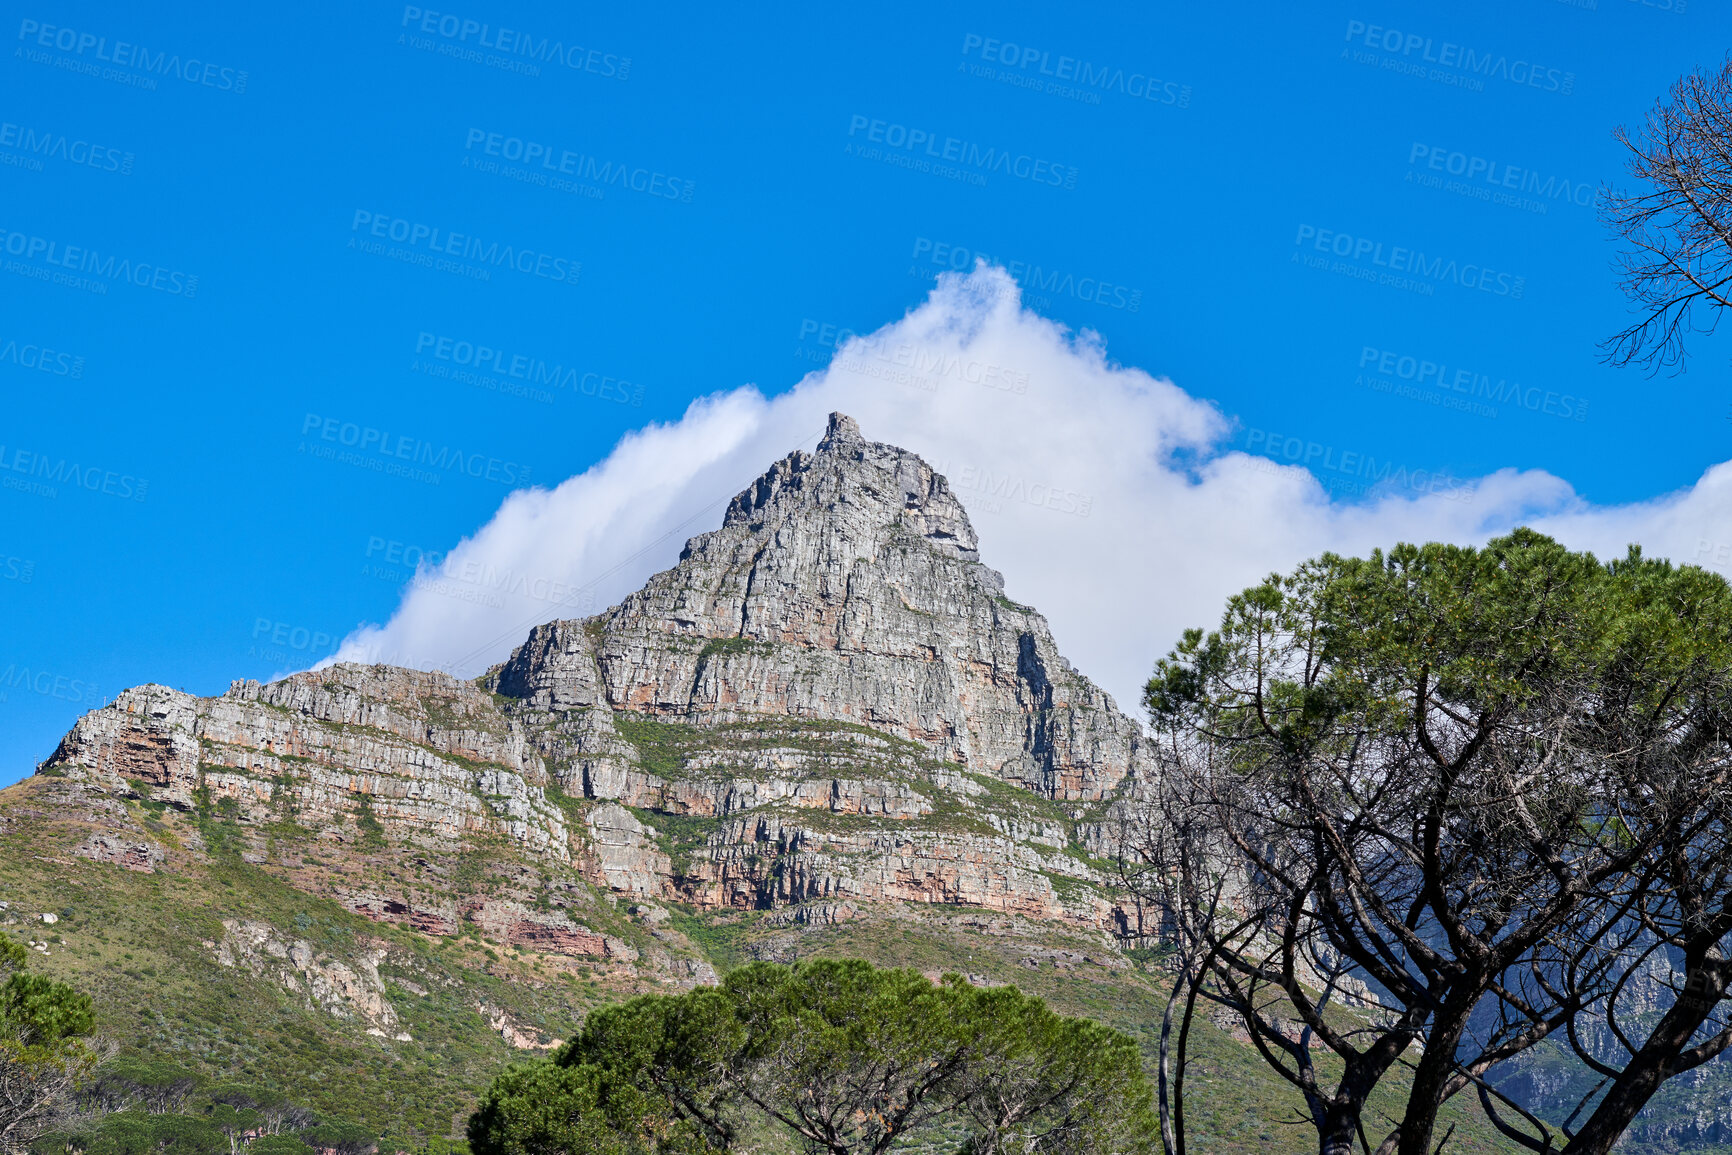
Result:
145,737
133,854
421,755
515,1034
828,703
549,932
844,585
345,991
429,915
625,856
767,861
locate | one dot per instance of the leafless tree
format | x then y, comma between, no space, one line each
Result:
1162,853
1666,1012
1676,226
38,1085
1349,916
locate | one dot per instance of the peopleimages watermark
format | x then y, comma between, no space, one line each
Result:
1433,382
508,49
398,455
1399,267
17,569
87,269
907,363
277,641
1039,70
472,580
133,64
924,150
294,637
1352,471
441,249
519,371
33,472
1032,277
1459,66
40,357
545,165
29,146
1495,182
469,363
830,337
996,488
47,683
1721,552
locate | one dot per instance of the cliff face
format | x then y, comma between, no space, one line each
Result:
828,702
430,758
843,586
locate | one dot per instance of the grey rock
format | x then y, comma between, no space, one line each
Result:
844,585
831,688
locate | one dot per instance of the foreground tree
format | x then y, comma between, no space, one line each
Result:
45,1049
1423,810
841,1056
160,1088
1044,1082
851,1058
1664,1008
550,1108
1677,224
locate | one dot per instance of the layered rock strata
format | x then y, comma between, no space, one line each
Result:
844,585
828,702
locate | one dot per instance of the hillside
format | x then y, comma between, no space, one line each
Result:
826,730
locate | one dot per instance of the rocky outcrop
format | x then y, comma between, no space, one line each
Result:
419,755
133,854
844,585
430,915
829,702
624,853
516,1034
345,991
772,860
549,932
141,742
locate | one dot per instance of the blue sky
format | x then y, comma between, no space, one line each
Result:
264,247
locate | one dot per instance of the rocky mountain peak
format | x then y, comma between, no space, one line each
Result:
842,428
830,694
844,585
854,480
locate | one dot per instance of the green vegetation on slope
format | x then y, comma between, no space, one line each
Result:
147,947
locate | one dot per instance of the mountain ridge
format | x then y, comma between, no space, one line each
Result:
843,593
824,730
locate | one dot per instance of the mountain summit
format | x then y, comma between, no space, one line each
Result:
844,586
830,696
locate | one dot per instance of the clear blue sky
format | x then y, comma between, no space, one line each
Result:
339,179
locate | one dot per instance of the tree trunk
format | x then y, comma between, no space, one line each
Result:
1435,1066
1163,1069
1335,1136
1648,1070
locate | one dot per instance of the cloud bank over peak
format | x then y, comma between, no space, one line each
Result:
1106,496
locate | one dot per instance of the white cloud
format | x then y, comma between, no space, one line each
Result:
1156,522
